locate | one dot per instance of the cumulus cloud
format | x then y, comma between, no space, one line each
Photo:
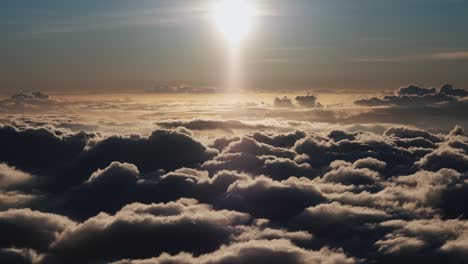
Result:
266,198
431,241
282,140
284,102
34,150
347,174
274,195
450,90
24,228
445,157
255,251
10,176
140,231
308,101
19,256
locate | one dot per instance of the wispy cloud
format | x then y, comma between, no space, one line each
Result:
457,55
439,56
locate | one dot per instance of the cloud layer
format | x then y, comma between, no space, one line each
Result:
224,190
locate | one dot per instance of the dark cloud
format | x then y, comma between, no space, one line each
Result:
439,117
308,101
250,146
22,96
322,151
338,135
282,169
19,256
28,102
281,140
106,190
415,90
407,100
163,149
426,108
221,143
413,95
404,132
284,102
24,228
265,198
227,125
37,150
450,90
337,224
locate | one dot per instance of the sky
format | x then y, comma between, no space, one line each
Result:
151,132
303,44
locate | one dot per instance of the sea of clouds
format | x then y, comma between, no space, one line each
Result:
382,181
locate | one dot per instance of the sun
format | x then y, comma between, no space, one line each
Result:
233,18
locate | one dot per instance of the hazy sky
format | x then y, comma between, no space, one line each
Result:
300,44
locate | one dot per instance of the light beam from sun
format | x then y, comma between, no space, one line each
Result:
233,19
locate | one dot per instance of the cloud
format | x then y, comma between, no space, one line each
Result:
455,55
264,198
337,220
411,133
15,199
181,88
445,189
163,149
431,241
226,125
308,101
415,90
412,96
34,150
321,151
221,143
285,102
142,231
445,157
24,228
250,146
282,169
10,176
106,190
335,194
450,90
438,56
255,251
281,140
349,175
19,256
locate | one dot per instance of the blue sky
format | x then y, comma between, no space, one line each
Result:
301,44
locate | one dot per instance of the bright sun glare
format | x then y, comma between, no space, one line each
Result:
233,17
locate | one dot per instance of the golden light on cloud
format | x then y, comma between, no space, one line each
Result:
234,19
